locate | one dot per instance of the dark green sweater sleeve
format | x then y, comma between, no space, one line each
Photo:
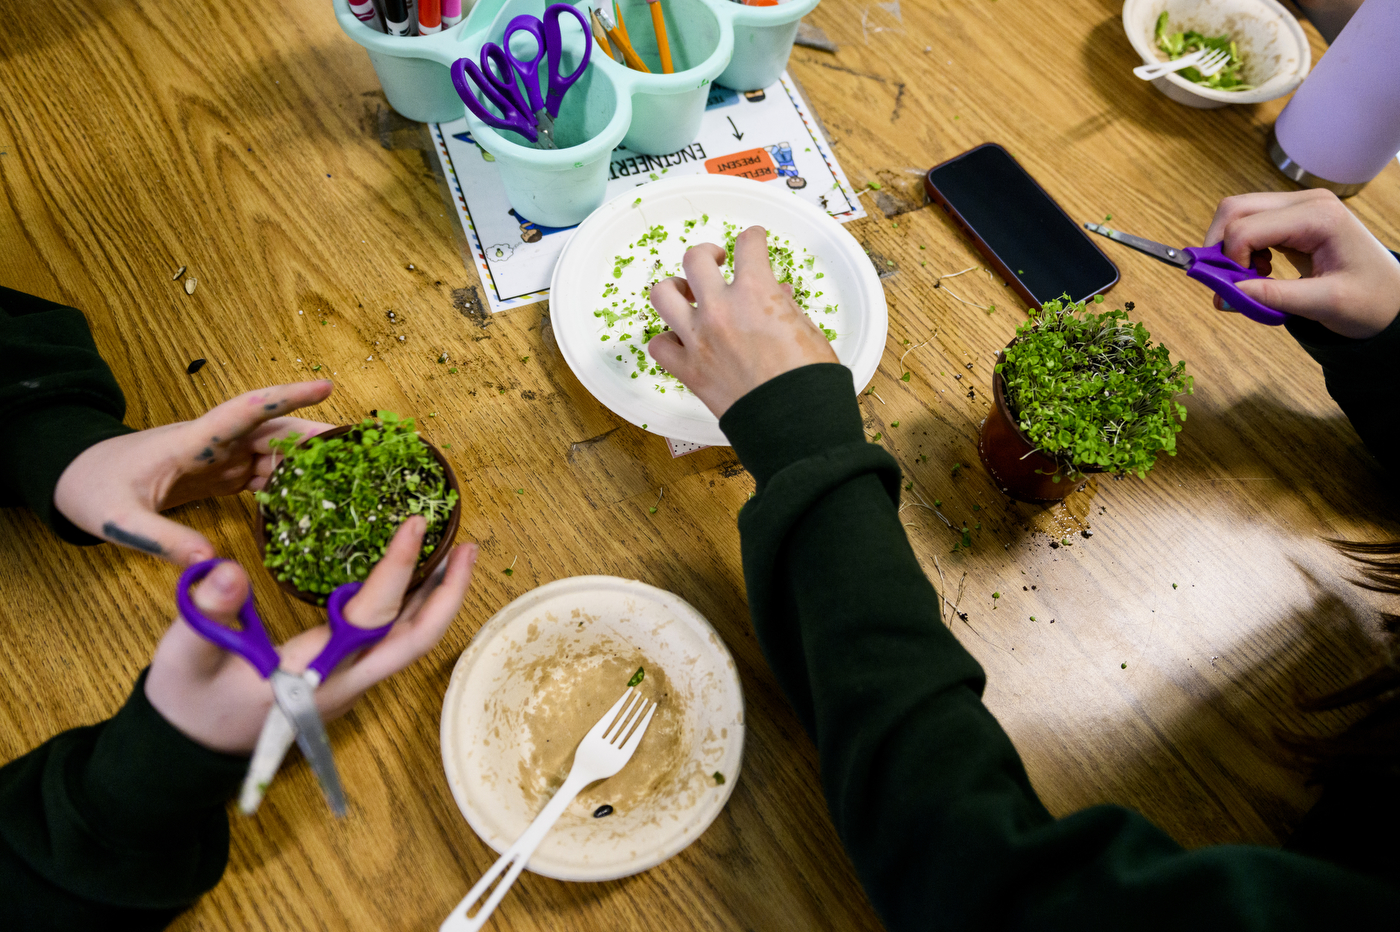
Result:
57,397
119,825
1360,379
926,791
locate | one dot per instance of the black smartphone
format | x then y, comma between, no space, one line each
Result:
1024,235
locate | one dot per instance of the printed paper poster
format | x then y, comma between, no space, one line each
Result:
768,136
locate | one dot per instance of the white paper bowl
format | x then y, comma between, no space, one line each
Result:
586,266
512,684
1269,37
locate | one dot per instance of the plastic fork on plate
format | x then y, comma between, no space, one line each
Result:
604,751
1206,61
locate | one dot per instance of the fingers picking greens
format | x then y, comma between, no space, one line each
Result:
629,319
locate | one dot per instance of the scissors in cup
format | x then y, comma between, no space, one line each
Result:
293,717
1206,264
499,77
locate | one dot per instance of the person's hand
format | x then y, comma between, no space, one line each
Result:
727,339
116,489
1350,283
218,700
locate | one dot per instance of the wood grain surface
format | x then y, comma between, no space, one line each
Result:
251,143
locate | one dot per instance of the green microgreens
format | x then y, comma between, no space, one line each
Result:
1092,391
628,320
1177,44
332,506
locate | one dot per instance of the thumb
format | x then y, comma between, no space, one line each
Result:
1314,298
151,533
184,653
222,593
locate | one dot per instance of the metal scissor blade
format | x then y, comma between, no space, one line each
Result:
1168,254
276,739
544,127
294,696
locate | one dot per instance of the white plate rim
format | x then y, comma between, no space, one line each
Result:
494,627
871,293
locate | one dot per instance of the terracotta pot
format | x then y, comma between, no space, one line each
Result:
1013,460
425,568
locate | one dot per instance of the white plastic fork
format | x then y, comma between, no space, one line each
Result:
604,751
1206,61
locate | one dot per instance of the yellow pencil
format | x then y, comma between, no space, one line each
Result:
600,34
663,44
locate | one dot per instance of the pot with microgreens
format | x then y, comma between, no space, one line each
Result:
1079,392
334,501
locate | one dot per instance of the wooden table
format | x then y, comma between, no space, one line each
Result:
245,142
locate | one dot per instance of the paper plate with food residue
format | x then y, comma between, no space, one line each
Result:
603,320
536,678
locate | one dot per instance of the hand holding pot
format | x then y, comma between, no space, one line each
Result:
220,701
726,339
1350,283
116,489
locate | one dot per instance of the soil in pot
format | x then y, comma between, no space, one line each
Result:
332,505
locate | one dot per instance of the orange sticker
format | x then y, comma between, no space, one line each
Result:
754,163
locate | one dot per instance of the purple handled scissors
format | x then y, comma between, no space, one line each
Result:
500,73
1206,264
294,716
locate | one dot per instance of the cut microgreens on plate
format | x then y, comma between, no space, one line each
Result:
628,321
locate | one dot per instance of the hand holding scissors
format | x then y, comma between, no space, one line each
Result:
500,74
217,699
1206,264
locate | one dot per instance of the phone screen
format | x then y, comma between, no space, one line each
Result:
1024,234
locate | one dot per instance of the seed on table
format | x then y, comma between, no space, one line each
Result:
189,285
195,366
178,272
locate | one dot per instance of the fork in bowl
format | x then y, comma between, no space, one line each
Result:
1206,61
604,751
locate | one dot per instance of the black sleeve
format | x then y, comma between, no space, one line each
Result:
57,397
926,790
114,825
1360,380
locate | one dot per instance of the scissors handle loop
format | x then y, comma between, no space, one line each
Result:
251,643
554,47
527,69
511,119
346,638
1222,275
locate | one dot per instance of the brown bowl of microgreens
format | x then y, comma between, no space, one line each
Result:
333,503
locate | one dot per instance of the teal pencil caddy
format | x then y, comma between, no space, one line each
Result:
611,105
763,37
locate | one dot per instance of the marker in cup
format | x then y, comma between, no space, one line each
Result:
429,17
396,19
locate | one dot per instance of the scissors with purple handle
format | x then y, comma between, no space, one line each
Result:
1206,264
500,74
294,716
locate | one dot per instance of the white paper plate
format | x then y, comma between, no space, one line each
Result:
585,268
513,678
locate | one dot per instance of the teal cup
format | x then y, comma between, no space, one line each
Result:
667,108
416,82
610,105
763,37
